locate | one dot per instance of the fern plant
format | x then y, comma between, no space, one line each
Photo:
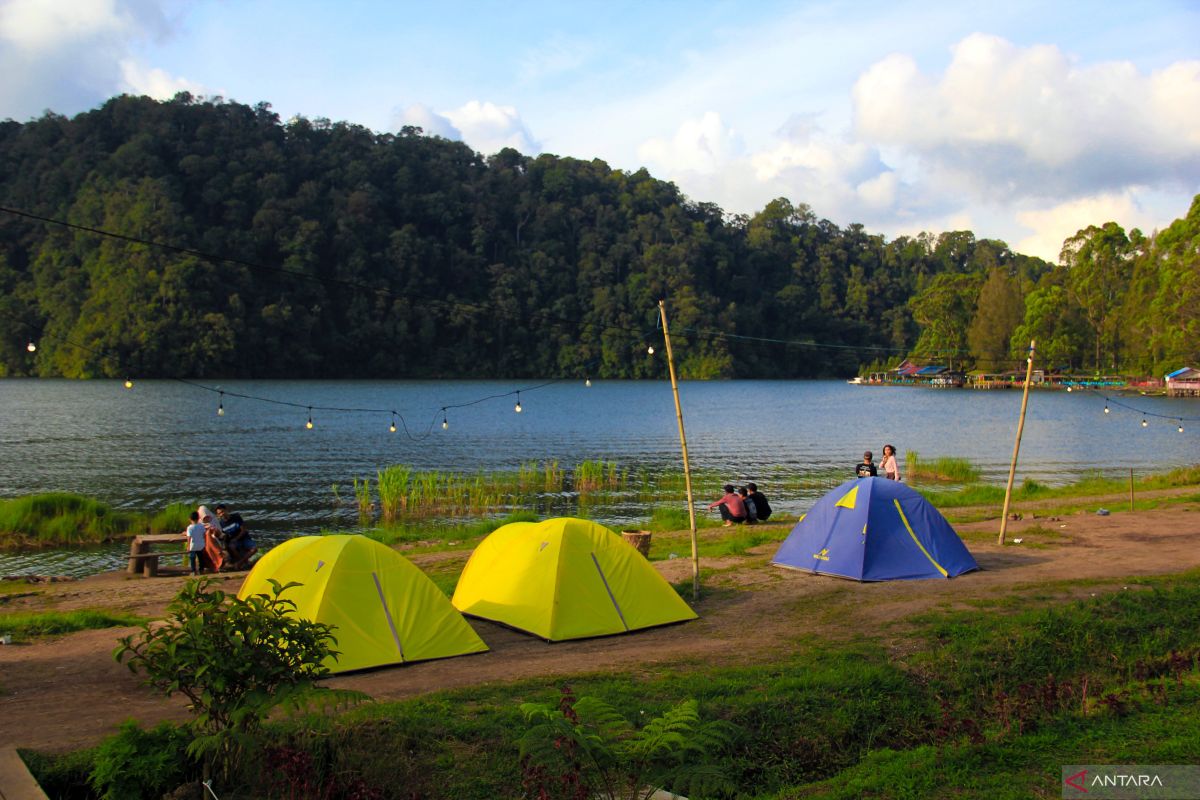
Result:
585,748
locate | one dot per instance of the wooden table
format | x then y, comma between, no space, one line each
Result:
144,560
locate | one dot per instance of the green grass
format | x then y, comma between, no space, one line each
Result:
963,712
440,537
58,519
944,468
51,623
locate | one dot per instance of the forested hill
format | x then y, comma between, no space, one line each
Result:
429,260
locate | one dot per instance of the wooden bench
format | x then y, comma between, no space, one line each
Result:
145,561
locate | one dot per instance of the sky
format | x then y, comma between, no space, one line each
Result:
1022,121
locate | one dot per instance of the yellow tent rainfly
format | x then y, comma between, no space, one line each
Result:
565,578
384,610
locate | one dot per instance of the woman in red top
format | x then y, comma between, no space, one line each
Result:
731,505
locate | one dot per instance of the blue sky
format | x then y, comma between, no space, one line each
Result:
1022,121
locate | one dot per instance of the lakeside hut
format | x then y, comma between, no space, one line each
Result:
1183,382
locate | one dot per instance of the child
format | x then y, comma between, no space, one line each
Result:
195,539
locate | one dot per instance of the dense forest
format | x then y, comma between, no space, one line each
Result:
317,248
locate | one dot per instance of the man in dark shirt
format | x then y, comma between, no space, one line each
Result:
867,468
237,538
760,502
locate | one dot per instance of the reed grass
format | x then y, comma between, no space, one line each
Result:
172,519
393,486
24,625
57,519
362,497
947,469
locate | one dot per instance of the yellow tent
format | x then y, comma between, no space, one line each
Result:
384,609
565,579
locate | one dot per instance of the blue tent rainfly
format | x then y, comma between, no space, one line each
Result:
873,529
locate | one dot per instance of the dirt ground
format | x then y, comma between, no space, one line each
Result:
67,692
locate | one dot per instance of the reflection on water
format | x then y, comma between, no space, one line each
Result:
163,442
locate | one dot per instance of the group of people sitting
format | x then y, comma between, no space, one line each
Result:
890,467
746,504
218,543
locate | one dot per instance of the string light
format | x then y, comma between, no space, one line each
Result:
1181,426
392,427
587,382
445,422
309,424
128,383
1105,406
517,407
1144,423
221,405
650,350
31,346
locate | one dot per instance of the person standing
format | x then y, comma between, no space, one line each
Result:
890,466
761,506
195,542
731,506
867,469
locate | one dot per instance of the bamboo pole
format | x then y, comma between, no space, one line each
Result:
1131,488
687,469
1012,468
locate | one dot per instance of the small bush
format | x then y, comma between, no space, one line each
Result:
172,519
137,764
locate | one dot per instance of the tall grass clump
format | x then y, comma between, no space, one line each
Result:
595,476
392,483
172,519
948,469
362,497
57,519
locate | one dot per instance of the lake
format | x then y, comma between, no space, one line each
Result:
163,441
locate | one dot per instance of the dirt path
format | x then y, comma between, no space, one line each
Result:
68,692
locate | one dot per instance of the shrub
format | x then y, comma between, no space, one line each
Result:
585,749
235,660
136,764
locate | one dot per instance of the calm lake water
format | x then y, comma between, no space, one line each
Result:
163,442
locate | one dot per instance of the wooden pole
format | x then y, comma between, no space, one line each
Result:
687,469
1012,468
1131,488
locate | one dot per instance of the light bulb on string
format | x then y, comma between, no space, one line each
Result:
650,350
31,346
587,382
221,405
517,407
309,424
445,423
1105,406
1144,423
392,427
128,383
1068,389
1181,426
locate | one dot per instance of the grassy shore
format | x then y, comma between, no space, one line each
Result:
59,519
987,702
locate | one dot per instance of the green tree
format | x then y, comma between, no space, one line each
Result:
1099,264
998,311
943,310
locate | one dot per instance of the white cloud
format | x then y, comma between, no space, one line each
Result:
428,120
556,56
485,126
71,56
1054,224
702,146
1010,121
153,82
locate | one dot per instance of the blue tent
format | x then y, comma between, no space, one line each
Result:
873,529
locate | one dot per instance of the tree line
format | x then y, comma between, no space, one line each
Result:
360,254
